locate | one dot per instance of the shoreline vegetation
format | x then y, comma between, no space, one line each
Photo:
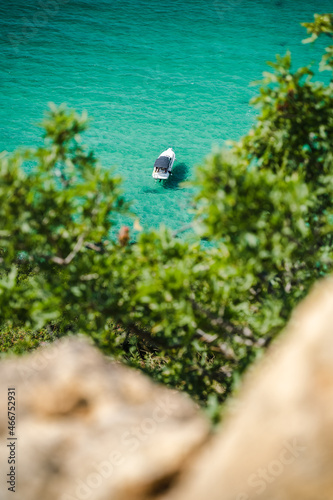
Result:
192,318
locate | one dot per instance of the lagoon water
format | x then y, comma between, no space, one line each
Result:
151,74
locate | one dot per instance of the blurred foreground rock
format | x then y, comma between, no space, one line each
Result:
91,429
277,440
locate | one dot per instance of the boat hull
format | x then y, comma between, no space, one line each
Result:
163,173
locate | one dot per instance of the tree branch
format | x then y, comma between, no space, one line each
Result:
72,254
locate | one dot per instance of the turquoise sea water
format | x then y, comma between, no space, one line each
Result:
151,73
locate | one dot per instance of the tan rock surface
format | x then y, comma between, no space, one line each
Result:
277,441
91,429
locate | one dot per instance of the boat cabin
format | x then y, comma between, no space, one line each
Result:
162,164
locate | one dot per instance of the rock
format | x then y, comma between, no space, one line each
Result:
91,429
277,441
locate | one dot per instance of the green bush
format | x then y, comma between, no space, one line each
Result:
18,340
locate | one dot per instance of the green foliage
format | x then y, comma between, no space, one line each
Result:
191,316
61,208
322,25
18,340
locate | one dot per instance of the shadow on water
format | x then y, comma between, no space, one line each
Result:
179,175
151,190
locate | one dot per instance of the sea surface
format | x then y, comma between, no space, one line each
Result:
151,74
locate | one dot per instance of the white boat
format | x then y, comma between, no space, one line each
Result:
163,165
